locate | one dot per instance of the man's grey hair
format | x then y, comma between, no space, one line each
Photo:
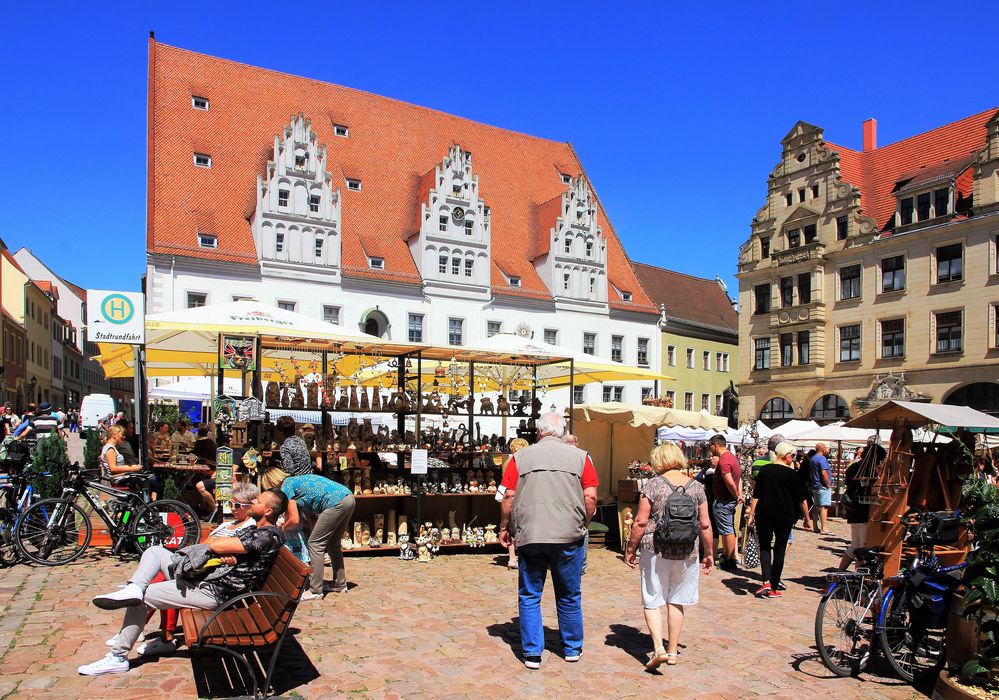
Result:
774,440
551,424
244,492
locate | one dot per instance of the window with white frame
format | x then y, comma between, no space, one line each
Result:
314,203
376,263
442,223
949,332
577,394
331,314
761,356
415,328
442,264
613,393
718,405
287,305
469,227
589,249
688,401
469,267
849,343
568,244
283,197
493,327
514,281
643,352
705,402
208,240
706,361
617,348
341,130
455,331
456,266
354,185
590,343
671,397
565,282
202,160
279,243
551,336
319,247
646,392
198,102
671,355
690,358
196,299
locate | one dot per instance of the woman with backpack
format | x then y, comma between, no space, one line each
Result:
672,517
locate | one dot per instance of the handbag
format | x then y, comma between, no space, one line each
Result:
751,549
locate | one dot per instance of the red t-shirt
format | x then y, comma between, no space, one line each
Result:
728,463
588,479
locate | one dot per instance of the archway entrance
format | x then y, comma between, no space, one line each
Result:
982,396
375,322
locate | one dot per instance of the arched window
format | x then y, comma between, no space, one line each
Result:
776,410
829,407
983,396
375,323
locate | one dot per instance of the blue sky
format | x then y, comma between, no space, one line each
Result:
676,112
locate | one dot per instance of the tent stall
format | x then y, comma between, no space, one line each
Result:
920,475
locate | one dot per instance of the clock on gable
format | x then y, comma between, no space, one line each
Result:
458,214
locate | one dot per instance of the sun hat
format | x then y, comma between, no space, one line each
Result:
782,449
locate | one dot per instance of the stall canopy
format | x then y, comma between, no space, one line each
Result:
743,436
916,414
793,428
617,434
839,433
194,389
185,342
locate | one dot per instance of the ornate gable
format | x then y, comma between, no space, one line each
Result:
985,185
575,265
451,248
296,223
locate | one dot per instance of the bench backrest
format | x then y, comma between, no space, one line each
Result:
288,576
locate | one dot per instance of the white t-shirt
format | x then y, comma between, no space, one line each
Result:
231,529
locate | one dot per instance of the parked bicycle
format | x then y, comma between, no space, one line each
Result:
16,494
905,615
57,531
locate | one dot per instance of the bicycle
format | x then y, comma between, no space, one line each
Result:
57,531
845,622
16,494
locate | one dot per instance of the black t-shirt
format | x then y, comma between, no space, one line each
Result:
262,545
204,448
780,493
856,512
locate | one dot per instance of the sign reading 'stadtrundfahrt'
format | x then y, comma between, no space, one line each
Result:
116,317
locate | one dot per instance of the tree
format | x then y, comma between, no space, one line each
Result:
92,451
48,468
162,412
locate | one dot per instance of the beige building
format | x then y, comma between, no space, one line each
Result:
873,275
699,338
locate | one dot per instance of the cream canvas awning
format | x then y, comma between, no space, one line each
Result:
917,414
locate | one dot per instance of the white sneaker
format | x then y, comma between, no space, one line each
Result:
309,595
111,663
158,647
123,598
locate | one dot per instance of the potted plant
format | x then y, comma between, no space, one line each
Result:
973,628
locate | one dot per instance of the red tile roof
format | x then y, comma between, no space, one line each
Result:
687,298
877,172
391,147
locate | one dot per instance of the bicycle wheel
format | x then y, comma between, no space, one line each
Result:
844,626
52,532
170,524
8,549
913,652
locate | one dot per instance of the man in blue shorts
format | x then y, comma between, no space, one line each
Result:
821,487
727,487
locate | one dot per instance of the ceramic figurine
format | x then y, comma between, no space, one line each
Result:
376,541
424,555
502,405
404,526
405,551
521,409
480,537
346,543
358,533
486,406
296,397
329,391
492,486
365,406
627,520
312,395
342,402
376,399
491,536
284,395
272,398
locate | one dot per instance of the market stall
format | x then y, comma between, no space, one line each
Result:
918,475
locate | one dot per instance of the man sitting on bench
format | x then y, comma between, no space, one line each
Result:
252,552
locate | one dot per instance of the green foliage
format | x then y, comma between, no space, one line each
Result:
92,451
48,468
170,489
980,506
161,411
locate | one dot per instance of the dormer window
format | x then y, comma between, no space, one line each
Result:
199,102
625,296
376,263
354,185
793,238
468,228
941,201
442,223
202,160
923,206
283,196
566,179
514,281
314,203
341,130
208,240
905,211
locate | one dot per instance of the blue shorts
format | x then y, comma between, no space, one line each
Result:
821,496
724,516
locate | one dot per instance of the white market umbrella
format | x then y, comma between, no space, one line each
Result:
194,389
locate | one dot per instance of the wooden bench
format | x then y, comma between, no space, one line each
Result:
251,621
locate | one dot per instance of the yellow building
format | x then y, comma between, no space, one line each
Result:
38,341
874,275
699,343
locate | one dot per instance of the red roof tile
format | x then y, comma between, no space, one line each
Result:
687,298
877,172
391,147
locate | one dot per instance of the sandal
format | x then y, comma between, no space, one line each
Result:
656,659
671,658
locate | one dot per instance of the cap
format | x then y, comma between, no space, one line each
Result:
783,448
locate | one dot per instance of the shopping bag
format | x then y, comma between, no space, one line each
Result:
751,549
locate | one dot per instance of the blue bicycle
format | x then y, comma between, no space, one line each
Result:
16,495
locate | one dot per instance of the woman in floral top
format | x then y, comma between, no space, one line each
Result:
670,578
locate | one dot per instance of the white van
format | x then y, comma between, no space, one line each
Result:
94,408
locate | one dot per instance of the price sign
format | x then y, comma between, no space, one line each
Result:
418,462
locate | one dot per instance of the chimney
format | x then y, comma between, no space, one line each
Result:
870,135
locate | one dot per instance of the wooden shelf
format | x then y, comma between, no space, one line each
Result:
447,495
414,547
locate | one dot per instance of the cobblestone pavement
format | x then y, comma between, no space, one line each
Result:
448,629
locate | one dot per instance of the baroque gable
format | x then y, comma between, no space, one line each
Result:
451,248
296,223
575,266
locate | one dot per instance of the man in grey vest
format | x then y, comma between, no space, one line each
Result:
551,496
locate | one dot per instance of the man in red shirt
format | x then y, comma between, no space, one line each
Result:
550,498
727,488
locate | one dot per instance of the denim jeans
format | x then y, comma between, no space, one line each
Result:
565,561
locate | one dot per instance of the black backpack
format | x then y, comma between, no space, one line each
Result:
678,522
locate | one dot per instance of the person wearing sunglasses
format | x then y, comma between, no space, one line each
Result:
242,498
